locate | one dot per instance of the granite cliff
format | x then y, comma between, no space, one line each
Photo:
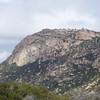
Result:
48,44
60,59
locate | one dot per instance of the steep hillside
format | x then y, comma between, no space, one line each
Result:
59,59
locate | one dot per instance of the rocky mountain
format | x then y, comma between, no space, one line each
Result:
60,59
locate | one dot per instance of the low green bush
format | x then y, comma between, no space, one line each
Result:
15,91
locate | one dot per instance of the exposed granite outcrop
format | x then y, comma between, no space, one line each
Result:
59,59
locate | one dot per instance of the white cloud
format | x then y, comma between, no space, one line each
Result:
3,55
63,19
5,1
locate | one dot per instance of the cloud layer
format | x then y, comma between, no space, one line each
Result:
19,18
3,55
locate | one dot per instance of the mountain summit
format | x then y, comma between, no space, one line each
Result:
60,59
48,44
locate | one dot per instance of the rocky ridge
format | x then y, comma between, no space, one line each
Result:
59,59
48,43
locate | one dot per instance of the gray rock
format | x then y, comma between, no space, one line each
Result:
30,97
59,59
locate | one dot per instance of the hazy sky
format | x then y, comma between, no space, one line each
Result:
19,18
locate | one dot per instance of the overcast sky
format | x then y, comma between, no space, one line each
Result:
19,18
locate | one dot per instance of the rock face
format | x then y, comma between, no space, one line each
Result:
48,44
59,59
